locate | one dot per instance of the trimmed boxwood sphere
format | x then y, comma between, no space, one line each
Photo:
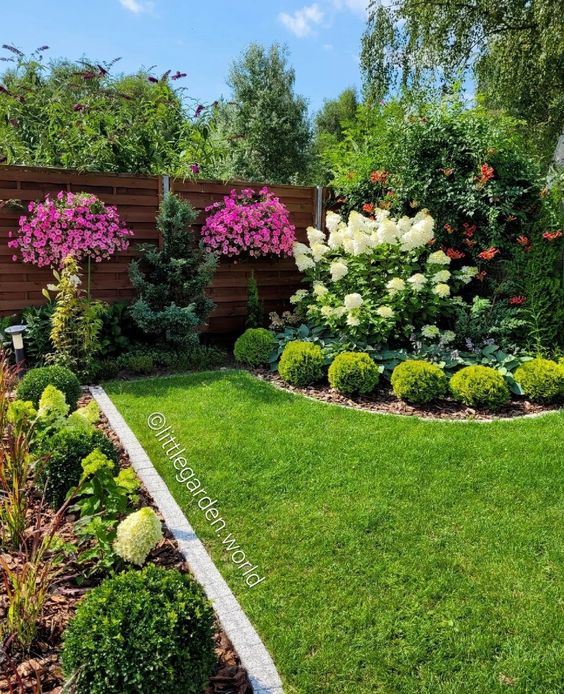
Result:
353,372
301,363
254,346
418,382
480,386
139,633
35,381
541,379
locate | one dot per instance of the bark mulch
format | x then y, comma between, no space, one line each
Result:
39,670
385,402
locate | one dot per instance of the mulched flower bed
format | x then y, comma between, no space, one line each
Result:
39,671
385,402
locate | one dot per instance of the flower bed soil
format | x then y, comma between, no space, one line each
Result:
385,402
39,671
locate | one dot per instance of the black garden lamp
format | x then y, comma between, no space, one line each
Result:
16,333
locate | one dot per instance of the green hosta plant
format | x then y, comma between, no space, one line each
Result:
376,279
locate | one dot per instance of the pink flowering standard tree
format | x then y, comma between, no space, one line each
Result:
77,224
249,224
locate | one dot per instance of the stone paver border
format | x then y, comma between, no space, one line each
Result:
253,653
422,418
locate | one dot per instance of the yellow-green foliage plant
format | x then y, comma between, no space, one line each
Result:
353,373
76,321
301,363
418,382
254,347
480,386
542,380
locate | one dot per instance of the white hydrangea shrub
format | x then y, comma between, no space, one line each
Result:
375,278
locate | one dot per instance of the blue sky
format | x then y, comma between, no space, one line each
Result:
198,37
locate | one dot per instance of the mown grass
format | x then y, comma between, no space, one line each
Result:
400,555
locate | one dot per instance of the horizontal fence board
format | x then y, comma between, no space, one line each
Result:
137,199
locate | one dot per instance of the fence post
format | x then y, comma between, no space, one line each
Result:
319,207
165,184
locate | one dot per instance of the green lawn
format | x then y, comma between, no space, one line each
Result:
400,555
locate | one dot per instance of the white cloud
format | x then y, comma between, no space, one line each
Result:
301,22
136,6
357,6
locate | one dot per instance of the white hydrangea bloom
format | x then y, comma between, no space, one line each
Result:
347,236
441,276
319,289
358,222
340,311
441,290
417,281
315,235
438,258
361,242
420,233
424,225
387,232
381,214
353,301
304,262
299,296
430,331
448,336
396,284
338,270
318,250
300,248
385,311
352,320
327,311
137,535
404,224
332,220
335,239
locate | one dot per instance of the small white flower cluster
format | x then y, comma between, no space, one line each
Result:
467,273
432,331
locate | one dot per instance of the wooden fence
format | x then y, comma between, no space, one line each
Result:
137,199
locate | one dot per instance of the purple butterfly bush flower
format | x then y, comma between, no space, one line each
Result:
198,111
195,168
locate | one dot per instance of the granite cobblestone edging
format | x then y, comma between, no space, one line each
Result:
253,654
